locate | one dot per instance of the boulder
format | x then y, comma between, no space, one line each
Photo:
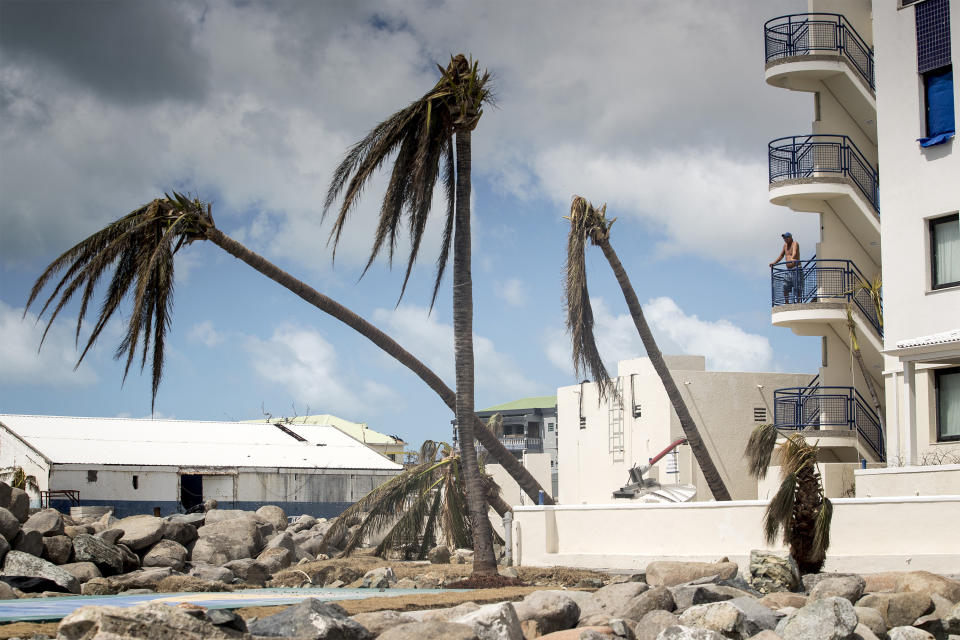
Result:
131,561
310,619
830,619
781,599
28,542
214,516
302,523
4,548
19,504
227,619
192,584
227,540
670,573
110,536
282,540
898,609
151,621
57,549
862,632
930,584
615,598
18,563
722,617
811,580
872,619
432,630
756,617
847,587
447,614
7,592
195,520
140,532
379,578
141,579
637,607
276,559
82,571
179,532
680,632
308,542
909,633
4,495
651,624
166,553
73,530
771,572
9,525
493,622
377,622
49,522
108,558
248,570
685,596
274,515
211,573
99,587
439,555
551,610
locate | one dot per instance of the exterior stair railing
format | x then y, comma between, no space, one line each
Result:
828,408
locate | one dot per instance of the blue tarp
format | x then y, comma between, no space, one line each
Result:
940,113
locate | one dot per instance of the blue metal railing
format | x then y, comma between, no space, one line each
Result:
800,408
802,34
812,156
818,280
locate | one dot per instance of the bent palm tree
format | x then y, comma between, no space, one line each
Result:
873,290
414,507
160,229
799,508
424,135
586,222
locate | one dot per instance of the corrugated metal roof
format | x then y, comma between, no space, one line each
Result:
357,430
538,402
189,443
936,338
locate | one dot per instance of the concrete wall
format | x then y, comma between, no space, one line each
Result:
917,533
721,403
14,453
538,464
935,480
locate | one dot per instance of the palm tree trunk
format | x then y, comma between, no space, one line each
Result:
330,306
871,389
484,561
806,506
700,452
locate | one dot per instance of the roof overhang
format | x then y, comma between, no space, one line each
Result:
939,347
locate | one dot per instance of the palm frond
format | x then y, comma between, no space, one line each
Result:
407,528
796,453
759,450
429,538
821,535
454,518
852,329
780,510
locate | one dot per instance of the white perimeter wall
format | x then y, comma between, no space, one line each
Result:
538,464
878,534
909,481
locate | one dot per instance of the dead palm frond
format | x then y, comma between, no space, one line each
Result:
17,478
759,450
421,136
139,248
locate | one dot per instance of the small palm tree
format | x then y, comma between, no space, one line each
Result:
140,247
589,223
799,509
431,139
17,478
417,508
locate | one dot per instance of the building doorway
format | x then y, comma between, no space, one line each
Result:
191,491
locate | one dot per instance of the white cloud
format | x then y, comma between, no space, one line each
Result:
726,346
20,363
495,373
511,291
205,334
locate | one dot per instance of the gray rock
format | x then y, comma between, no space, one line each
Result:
151,621
621,629
863,632
276,559
447,614
227,540
510,572
179,532
18,563
930,584
142,578
57,549
302,523
9,525
811,580
671,573
82,571
140,532
377,622
431,630
274,515
248,570
848,587
214,516
195,520
723,617
690,595
552,610
283,540
310,619
379,578
680,632
19,504
439,555
4,495
110,536
28,542
650,625
73,530
211,573
614,599
770,572
635,609
493,622
4,548
898,609
49,522
909,633
872,619
107,557
98,587
226,619
830,619
756,617
593,634
166,553
131,561
308,542
7,592
782,599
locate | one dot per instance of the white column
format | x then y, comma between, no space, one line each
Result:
893,426
910,417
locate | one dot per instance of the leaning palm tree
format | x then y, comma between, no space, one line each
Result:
873,289
799,509
431,139
587,222
139,249
417,508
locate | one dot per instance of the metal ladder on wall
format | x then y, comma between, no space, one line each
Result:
615,421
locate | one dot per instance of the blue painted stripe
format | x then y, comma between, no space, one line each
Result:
124,508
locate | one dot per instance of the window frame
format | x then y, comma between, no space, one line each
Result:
936,392
931,222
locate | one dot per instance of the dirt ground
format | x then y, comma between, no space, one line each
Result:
538,578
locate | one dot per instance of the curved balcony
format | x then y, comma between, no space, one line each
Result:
819,411
519,444
805,49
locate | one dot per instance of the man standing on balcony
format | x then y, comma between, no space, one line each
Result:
791,279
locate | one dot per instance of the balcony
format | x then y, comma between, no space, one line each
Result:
806,49
519,444
823,412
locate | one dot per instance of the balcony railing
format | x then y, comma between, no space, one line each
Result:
819,155
829,408
820,280
809,33
520,443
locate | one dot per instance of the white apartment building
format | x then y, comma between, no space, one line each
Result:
601,439
884,99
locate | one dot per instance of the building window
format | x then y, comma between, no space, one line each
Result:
136,482
91,476
549,426
947,382
934,67
945,251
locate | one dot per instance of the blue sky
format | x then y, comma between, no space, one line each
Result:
657,108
